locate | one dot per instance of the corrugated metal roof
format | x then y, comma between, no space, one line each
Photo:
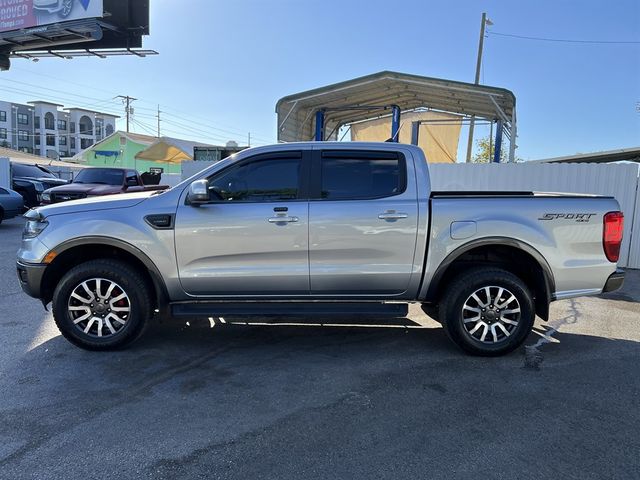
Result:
296,120
608,156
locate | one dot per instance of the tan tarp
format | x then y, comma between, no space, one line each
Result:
439,141
164,152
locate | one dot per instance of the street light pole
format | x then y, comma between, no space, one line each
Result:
483,23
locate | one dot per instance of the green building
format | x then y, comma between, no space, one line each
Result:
141,152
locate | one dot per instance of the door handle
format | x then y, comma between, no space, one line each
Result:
282,219
392,215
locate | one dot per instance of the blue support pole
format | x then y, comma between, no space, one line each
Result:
395,123
319,125
496,155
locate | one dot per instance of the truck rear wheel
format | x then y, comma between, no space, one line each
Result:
487,311
102,305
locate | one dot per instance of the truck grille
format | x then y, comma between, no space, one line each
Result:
63,197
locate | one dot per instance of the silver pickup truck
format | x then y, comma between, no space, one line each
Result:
319,229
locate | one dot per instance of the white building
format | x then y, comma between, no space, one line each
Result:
49,130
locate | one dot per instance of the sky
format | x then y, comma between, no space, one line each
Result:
224,64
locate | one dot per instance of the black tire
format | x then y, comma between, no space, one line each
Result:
460,291
128,279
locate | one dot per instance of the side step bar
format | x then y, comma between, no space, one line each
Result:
281,309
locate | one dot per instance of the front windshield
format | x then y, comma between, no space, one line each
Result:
101,176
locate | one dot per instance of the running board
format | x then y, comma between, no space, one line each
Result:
281,309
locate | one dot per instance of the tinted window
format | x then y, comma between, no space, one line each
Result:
132,178
259,181
105,176
20,170
345,178
3,192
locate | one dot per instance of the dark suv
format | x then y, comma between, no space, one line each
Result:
31,180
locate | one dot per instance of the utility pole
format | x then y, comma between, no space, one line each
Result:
249,140
127,100
159,112
485,22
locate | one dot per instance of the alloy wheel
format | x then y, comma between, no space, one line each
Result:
491,314
99,307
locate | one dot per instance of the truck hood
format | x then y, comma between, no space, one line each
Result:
124,200
87,188
45,180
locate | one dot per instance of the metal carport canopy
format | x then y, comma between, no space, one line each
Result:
296,120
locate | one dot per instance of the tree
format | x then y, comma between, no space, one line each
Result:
485,151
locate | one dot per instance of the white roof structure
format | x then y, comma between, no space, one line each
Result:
347,102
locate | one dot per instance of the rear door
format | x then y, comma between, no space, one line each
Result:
251,239
363,219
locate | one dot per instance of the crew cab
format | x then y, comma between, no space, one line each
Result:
319,228
95,182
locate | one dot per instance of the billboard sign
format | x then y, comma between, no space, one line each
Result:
21,14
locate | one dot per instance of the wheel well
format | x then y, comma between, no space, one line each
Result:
83,253
513,259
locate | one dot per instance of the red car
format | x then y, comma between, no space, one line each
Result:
94,182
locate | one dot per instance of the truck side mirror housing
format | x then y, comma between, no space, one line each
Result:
198,192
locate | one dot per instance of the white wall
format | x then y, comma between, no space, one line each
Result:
193,167
171,179
617,180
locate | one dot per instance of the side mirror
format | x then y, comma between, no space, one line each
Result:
198,192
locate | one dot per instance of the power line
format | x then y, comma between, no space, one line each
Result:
566,40
166,108
76,103
143,126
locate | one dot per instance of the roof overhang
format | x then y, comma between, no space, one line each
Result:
620,155
296,112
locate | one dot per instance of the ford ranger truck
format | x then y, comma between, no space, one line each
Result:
319,229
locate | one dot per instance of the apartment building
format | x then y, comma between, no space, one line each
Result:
49,130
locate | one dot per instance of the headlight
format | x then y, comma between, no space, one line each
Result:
38,186
33,228
46,197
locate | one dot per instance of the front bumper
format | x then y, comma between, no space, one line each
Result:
615,281
30,277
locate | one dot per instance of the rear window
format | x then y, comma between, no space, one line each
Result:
353,177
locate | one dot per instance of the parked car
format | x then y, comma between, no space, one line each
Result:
31,180
61,7
319,229
95,182
11,204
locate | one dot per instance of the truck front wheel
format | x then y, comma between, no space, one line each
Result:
487,311
102,305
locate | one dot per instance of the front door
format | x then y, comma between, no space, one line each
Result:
362,223
251,239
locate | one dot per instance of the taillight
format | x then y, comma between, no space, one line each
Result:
612,235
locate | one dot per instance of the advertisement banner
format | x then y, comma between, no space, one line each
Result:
21,14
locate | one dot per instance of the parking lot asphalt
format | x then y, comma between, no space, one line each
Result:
361,399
